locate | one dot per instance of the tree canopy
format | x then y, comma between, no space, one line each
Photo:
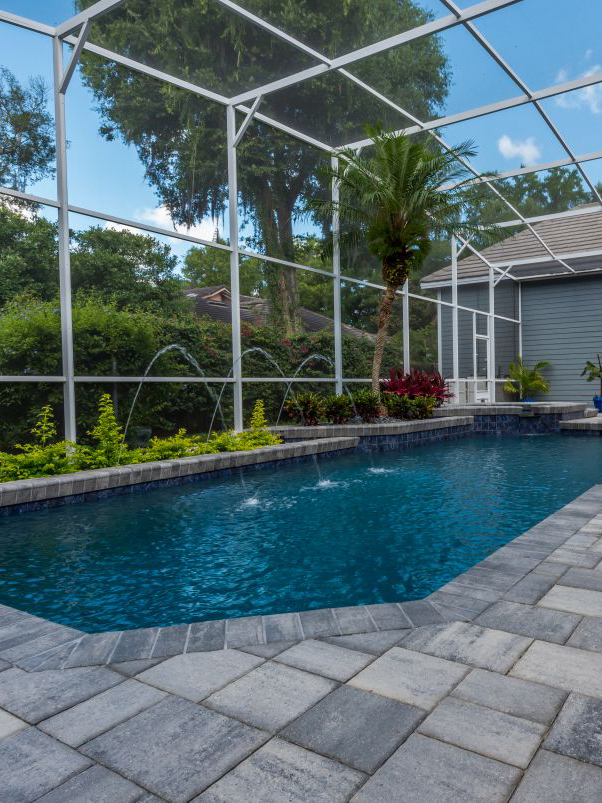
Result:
180,137
134,271
26,132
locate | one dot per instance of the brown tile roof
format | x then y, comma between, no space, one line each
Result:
570,235
215,303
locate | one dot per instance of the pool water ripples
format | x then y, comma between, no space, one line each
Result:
364,528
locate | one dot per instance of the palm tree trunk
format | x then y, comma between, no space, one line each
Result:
384,316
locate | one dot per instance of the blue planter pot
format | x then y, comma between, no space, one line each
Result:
528,400
598,403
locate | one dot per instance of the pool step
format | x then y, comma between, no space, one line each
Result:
591,423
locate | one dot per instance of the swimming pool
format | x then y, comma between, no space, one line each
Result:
372,528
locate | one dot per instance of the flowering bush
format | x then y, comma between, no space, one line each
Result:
417,384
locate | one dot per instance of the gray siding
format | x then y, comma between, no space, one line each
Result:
562,323
476,296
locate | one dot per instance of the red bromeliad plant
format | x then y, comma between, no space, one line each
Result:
416,384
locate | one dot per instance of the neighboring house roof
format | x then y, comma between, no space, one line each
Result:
569,238
215,302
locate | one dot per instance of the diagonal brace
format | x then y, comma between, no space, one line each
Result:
77,51
247,121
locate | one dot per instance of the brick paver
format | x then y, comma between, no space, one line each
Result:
489,690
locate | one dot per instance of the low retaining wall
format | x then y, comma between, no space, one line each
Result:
35,494
384,436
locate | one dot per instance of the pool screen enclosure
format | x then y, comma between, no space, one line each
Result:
266,104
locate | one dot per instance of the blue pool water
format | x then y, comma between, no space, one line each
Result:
383,527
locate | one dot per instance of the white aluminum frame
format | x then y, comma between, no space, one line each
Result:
75,31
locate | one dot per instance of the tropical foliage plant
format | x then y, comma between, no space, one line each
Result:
526,382
404,407
593,372
338,408
392,198
417,383
367,404
305,408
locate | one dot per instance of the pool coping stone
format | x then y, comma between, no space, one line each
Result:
459,600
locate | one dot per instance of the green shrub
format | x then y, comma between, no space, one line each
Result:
338,409
45,457
109,340
423,406
305,408
397,406
367,404
403,407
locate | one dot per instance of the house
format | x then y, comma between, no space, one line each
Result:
215,302
549,307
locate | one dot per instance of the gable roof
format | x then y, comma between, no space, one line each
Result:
215,302
572,238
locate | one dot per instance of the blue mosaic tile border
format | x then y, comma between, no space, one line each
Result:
522,424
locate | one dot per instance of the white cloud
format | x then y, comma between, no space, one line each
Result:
527,149
589,97
120,227
588,54
562,76
160,217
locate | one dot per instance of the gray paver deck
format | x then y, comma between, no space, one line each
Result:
489,690
428,771
410,677
270,696
322,658
484,730
281,771
33,764
176,748
196,675
96,784
577,731
355,727
522,698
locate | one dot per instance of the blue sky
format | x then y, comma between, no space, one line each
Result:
546,41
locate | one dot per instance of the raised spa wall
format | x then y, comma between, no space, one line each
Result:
300,444
507,419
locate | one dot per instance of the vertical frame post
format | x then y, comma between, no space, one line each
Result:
491,332
456,358
234,266
63,243
475,366
336,284
406,327
520,319
439,335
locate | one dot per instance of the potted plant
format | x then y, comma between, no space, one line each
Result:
594,372
526,382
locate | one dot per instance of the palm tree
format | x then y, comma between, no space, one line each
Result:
393,200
